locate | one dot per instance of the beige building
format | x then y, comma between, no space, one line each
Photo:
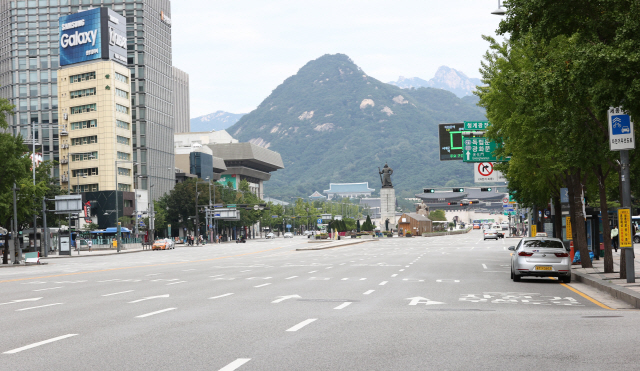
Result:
95,111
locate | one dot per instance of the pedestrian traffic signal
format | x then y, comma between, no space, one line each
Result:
429,190
485,189
458,189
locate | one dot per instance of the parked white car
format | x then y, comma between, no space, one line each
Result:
270,236
288,235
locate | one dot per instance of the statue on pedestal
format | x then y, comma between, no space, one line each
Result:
385,176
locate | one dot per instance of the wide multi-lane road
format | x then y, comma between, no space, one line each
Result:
443,303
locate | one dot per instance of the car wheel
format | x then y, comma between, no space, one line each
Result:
566,279
511,273
516,278
636,239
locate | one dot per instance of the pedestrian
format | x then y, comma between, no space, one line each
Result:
89,243
614,237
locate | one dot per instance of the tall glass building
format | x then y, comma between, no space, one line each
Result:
29,65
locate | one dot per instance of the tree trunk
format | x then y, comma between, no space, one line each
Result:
557,206
606,229
580,242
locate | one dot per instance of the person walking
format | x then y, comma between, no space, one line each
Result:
614,237
89,243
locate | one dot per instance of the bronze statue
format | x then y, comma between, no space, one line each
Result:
385,176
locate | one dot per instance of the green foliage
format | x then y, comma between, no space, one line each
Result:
367,226
343,142
437,216
91,227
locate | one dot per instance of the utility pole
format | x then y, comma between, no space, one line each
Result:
16,246
626,203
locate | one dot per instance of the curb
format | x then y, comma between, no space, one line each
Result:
333,247
88,256
619,292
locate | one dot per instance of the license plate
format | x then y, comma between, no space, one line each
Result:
544,268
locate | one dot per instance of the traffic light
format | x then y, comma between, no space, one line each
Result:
449,203
471,202
485,189
458,189
429,190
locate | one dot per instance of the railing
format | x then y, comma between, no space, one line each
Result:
109,241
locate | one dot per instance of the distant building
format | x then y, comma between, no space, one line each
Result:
316,196
373,205
348,190
276,201
414,223
471,198
182,113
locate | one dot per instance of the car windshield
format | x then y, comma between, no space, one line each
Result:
548,244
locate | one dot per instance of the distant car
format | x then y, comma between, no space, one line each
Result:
288,235
636,238
505,226
486,226
490,233
170,243
308,233
270,236
476,226
540,257
499,232
161,245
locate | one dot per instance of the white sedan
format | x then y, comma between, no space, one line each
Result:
270,236
490,233
540,257
288,235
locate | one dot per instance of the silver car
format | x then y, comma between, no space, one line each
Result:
540,257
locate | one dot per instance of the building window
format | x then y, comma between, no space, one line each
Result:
84,140
82,93
82,77
84,156
122,94
86,188
84,172
122,78
122,124
123,140
84,124
83,109
122,109
124,187
123,171
124,156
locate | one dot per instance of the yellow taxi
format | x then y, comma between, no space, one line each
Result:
161,245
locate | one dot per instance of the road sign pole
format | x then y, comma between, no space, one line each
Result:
626,202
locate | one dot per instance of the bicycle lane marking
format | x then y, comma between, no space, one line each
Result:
139,266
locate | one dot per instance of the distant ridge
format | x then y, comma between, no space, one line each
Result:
219,120
446,78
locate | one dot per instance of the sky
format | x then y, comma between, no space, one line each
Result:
237,52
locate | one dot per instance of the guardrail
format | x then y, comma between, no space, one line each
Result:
446,233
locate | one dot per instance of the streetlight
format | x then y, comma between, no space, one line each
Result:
500,11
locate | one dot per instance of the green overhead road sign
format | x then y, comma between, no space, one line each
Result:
475,125
479,150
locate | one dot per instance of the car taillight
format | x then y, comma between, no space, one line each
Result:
562,254
524,253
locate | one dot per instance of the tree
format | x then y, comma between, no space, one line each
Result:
367,226
437,216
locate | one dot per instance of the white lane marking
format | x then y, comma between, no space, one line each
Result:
115,279
41,306
264,284
248,270
484,266
368,292
118,293
235,364
362,279
156,312
173,283
283,298
328,267
473,247
149,298
394,275
288,278
20,301
50,288
221,296
419,300
17,350
344,279
217,275
301,324
153,274
187,270
383,283
343,305
313,272
401,270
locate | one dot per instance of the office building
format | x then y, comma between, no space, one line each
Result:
182,115
29,62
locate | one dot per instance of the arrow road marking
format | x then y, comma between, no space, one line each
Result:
283,298
20,301
17,350
420,300
149,298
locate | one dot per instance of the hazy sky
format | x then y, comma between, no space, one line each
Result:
237,52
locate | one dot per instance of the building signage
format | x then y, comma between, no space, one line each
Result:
164,18
450,138
225,179
95,34
624,227
569,230
621,135
476,125
484,172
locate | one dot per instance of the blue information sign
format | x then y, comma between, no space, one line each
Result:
319,221
288,225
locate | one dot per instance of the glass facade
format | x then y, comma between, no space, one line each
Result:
29,57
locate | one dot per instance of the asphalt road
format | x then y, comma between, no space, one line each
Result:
443,303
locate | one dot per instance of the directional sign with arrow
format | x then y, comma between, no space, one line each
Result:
149,298
283,298
420,300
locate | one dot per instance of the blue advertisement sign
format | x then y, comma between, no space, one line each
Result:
80,37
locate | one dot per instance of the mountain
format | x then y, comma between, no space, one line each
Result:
446,78
331,122
218,120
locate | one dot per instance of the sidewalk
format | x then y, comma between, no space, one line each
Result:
610,282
